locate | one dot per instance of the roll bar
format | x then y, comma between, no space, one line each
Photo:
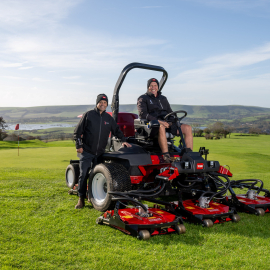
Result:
115,100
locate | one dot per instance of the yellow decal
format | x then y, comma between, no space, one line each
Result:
210,208
215,203
159,212
127,216
151,217
189,207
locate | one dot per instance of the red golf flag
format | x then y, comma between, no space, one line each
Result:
17,127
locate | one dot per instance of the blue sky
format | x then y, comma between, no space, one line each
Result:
65,52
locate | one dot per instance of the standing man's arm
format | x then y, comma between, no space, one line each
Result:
78,132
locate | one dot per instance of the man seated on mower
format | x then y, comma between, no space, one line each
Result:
154,106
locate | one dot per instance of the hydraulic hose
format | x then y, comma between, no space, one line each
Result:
131,200
136,194
252,186
215,175
149,190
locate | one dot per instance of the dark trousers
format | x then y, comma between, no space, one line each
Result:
87,161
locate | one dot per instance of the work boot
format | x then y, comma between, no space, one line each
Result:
80,203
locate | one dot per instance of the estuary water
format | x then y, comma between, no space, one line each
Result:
39,126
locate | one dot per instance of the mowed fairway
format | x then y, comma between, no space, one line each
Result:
40,229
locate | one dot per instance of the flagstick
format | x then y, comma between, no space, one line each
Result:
18,142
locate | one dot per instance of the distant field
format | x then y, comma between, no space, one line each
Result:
40,229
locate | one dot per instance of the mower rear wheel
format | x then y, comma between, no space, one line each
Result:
260,212
107,177
180,228
144,235
72,174
208,223
236,218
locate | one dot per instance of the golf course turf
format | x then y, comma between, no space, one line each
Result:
40,229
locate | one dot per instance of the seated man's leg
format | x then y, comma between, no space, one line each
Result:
162,140
187,132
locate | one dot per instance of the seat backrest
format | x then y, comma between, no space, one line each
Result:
126,123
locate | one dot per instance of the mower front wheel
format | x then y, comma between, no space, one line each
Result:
208,223
180,228
144,235
72,174
260,212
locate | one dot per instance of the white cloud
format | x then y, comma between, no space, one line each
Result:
76,83
40,80
10,65
32,13
76,49
12,78
224,67
25,67
72,77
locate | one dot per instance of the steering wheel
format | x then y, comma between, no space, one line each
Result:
175,113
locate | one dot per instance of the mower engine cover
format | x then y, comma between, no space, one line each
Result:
193,162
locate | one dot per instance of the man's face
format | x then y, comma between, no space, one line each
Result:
102,105
153,88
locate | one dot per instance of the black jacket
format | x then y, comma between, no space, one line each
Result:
95,128
153,108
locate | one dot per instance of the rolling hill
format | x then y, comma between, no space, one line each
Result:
202,114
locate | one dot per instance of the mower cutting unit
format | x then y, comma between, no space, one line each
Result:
250,202
200,195
141,221
126,176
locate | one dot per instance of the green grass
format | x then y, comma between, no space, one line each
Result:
40,229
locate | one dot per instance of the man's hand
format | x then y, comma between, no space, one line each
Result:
126,144
80,150
163,123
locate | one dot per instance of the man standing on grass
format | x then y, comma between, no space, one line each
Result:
91,136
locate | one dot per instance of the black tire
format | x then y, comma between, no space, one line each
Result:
180,228
260,212
72,175
236,218
208,223
144,235
111,177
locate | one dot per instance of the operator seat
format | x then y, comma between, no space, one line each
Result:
145,129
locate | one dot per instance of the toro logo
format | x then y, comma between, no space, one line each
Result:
106,123
153,80
199,166
103,97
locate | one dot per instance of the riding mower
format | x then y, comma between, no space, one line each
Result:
126,176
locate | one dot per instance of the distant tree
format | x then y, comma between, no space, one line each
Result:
255,130
208,136
3,126
227,131
207,131
218,128
195,128
199,133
